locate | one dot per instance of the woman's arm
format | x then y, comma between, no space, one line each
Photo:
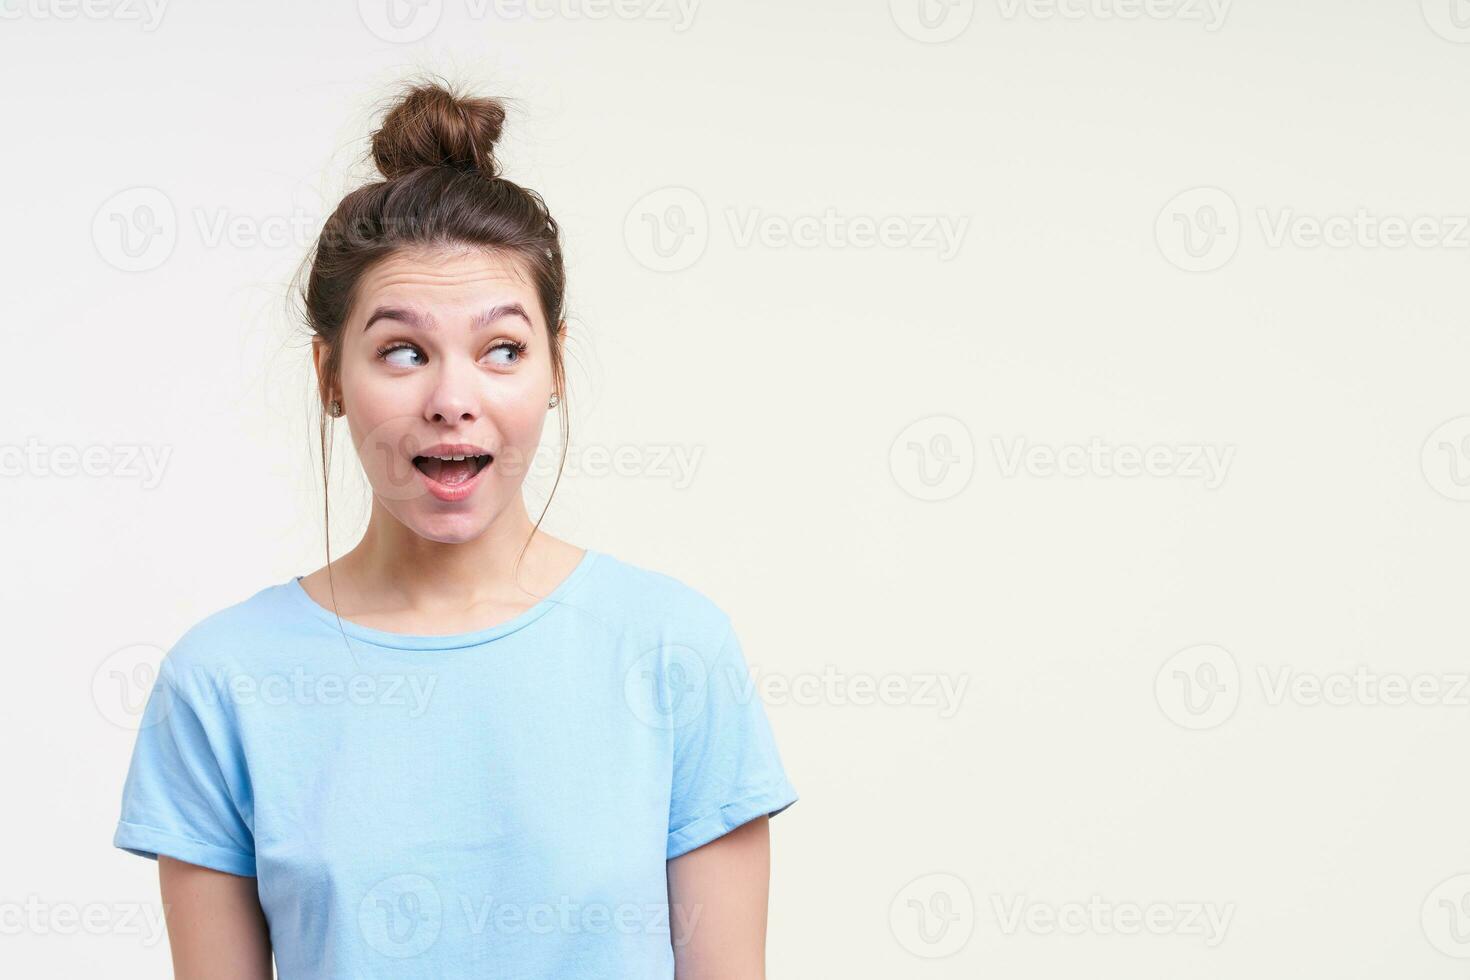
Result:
216,929
718,896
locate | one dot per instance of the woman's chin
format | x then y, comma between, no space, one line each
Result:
430,520
449,528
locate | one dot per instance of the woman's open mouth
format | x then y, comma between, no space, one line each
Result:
451,477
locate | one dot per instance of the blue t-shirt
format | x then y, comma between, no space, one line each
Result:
498,803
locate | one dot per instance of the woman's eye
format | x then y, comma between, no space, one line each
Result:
402,356
507,353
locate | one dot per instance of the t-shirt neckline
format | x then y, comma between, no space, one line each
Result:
414,641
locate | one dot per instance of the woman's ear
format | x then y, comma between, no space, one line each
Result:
319,351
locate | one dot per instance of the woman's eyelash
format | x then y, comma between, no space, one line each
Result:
387,349
519,346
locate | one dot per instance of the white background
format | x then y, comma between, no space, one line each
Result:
1134,199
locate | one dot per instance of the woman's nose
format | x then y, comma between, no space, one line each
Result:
454,397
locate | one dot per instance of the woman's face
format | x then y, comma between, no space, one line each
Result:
445,353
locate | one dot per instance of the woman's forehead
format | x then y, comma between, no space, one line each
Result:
448,268
443,278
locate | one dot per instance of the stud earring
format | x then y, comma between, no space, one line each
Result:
553,401
334,408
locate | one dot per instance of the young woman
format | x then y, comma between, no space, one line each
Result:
465,748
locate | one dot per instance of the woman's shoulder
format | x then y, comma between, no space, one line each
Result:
642,596
230,635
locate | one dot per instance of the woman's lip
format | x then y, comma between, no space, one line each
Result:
457,492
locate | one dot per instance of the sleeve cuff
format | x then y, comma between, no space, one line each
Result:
150,842
699,832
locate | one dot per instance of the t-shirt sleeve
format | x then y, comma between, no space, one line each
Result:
727,770
187,791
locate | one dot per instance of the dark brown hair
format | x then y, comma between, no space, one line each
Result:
441,187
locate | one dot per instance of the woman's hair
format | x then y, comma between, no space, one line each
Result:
441,187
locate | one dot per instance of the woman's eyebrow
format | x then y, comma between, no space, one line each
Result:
495,313
425,321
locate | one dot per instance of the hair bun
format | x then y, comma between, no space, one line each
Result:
431,126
